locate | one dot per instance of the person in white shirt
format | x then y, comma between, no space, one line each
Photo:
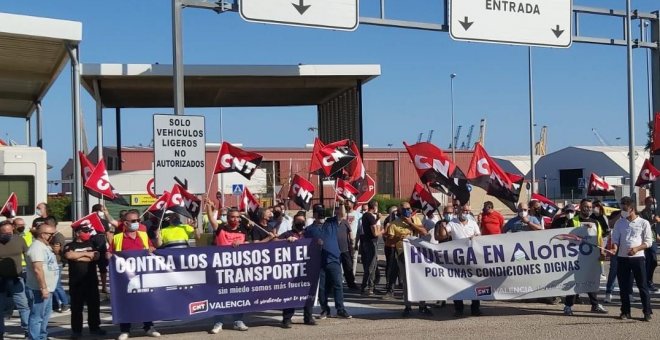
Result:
631,235
432,217
462,227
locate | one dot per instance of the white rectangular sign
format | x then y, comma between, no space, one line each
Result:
330,14
179,151
520,22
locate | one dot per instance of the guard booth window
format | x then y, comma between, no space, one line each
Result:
385,175
23,187
569,183
268,166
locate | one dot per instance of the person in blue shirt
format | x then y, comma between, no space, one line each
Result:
523,221
324,230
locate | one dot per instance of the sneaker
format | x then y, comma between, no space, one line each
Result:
389,295
286,323
343,314
624,316
152,332
216,328
75,335
324,315
98,331
406,312
368,292
608,298
647,317
425,311
653,288
123,336
310,322
599,309
65,309
568,311
240,326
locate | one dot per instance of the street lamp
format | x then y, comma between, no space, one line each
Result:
453,142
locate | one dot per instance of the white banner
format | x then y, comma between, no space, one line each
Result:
522,265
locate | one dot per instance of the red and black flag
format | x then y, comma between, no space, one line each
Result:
355,170
423,200
192,203
301,192
233,159
648,174
598,186
157,208
98,185
176,202
92,220
346,191
485,173
331,159
248,202
548,207
438,171
86,166
9,210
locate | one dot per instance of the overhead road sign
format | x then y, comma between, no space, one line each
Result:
519,22
329,14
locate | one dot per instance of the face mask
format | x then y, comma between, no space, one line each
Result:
38,212
134,226
85,236
596,211
277,214
523,213
570,215
101,215
298,226
4,238
20,229
585,212
406,213
625,213
447,217
462,217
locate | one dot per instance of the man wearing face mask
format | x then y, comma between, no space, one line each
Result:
598,214
650,253
42,210
101,240
12,285
566,219
173,233
459,229
631,235
296,233
133,239
83,282
592,232
42,276
523,221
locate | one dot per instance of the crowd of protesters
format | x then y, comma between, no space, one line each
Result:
31,259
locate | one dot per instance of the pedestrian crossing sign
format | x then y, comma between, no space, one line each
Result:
237,189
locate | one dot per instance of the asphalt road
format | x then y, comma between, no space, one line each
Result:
374,317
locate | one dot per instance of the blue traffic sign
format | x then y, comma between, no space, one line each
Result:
237,189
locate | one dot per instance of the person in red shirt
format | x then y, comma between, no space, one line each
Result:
490,220
132,239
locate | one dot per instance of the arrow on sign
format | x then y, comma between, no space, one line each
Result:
184,184
466,24
557,31
301,7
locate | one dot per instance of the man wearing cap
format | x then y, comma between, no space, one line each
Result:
175,234
566,219
82,258
325,232
133,239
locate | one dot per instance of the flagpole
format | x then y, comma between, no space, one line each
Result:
208,190
222,175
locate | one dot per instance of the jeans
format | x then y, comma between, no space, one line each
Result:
329,279
39,315
234,318
82,294
59,295
401,263
651,255
126,327
611,276
369,264
347,266
288,313
636,265
391,268
593,300
13,291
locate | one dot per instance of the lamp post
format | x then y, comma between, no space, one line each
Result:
453,142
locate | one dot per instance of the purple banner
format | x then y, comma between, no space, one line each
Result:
201,282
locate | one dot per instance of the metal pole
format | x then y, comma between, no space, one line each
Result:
222,175
382,9
77,131
177,54
655,90
28,132
118,130
99,121
274,193
631,104
40,136
531,122
649,85
360,119
453,142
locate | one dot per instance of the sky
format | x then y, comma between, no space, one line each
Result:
575,89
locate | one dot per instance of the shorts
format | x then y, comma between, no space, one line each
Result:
103,263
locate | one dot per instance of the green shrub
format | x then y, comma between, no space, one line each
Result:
60,207
385,203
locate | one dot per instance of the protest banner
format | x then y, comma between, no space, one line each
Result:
522,265
205,281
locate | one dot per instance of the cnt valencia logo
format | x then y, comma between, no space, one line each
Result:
484,291
198,307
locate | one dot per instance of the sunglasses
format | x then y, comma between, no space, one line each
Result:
133,221
85,231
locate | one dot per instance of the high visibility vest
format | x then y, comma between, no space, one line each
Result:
175,235
27,236
118,240
577,223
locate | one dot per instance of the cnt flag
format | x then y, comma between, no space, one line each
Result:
11,206
176,202
423,200
648,174
301,192
233,159
98,185
485,173
92,220
548,207
598,186
248,202
192,203
438,171
346,191
331,160
157,208
86,166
